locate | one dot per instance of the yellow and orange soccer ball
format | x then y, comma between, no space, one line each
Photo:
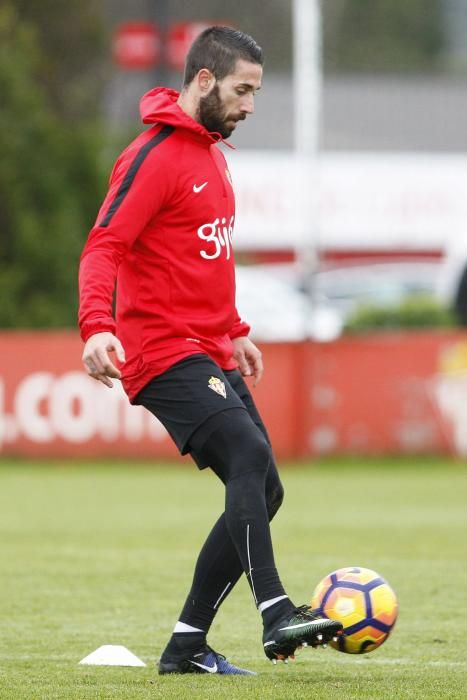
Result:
365,604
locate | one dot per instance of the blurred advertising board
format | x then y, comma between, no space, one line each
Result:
136,45
379,394
140,45
50,407
349,201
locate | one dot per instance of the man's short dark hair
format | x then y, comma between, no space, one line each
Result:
218,49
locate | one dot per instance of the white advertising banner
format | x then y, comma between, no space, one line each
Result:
349,200
275,199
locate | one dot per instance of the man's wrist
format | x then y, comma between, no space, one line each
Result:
93,327
240,330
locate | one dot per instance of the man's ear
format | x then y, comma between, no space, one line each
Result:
205,81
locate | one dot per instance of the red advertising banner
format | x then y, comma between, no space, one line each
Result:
50,407
136,45
392,393
380,394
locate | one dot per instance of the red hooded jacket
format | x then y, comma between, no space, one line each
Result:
164,233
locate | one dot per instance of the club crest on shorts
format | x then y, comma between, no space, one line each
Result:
219,387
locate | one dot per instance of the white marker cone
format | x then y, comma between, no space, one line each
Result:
112,655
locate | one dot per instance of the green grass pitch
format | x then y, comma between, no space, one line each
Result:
94,554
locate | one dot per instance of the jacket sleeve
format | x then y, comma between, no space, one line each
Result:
137,191
239,328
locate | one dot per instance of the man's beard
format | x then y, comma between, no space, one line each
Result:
212,114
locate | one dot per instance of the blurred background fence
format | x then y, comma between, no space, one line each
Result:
366,235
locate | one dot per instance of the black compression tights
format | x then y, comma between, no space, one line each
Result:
240,455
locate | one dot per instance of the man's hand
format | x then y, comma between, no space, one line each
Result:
249,358
96,358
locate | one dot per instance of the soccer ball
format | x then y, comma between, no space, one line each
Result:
365,604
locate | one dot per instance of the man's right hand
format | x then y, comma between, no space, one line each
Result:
96,360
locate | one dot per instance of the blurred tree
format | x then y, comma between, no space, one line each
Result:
383,35
49,184
70,63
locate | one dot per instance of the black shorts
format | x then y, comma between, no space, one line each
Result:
190,392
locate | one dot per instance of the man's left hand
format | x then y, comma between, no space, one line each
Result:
249,358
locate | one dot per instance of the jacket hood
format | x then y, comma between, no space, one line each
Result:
159,105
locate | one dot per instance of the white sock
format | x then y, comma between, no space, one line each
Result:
182,627
268,603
